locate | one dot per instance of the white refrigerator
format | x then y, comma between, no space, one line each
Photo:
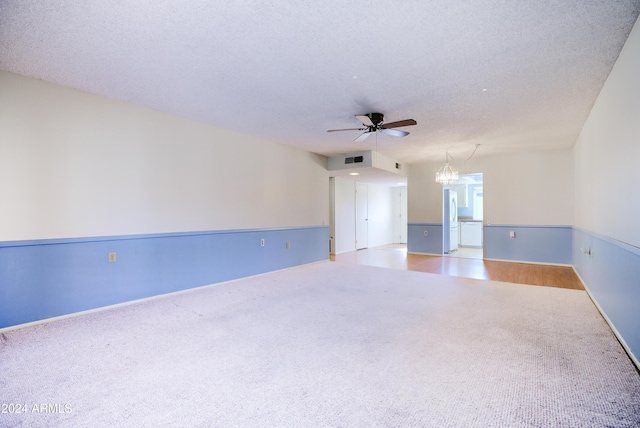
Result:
450,223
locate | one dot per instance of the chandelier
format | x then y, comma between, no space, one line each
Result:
446,174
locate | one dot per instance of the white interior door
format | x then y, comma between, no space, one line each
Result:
401,212
362,216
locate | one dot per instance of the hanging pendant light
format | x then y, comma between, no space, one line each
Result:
446,174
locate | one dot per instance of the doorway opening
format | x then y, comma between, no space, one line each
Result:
462,217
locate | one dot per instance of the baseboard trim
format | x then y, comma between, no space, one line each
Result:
617,334
530,262
425,254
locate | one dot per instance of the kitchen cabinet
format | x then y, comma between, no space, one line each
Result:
471,234
463,195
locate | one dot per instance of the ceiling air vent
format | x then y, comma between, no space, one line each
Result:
354,159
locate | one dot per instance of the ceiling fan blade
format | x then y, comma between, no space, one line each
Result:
362,137
346,129
366,120
395,132
400,123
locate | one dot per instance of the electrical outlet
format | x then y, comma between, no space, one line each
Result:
426,233
512,234
288,245
112,257
262,242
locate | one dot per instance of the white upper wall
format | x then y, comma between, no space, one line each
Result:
607,153
534,188
73,164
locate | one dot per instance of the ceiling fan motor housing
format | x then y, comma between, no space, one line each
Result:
376,118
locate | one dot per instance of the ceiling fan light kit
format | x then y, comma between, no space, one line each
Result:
374,122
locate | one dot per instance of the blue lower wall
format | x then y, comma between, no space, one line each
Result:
49,278
611,272
417,242
538,244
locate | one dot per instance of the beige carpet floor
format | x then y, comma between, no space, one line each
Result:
327,344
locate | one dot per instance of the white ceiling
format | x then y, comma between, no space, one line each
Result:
509,75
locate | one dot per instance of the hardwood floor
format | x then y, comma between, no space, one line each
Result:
396,257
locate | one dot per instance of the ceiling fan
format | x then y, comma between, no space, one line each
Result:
374,122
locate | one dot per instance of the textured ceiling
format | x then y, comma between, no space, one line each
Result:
509,75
